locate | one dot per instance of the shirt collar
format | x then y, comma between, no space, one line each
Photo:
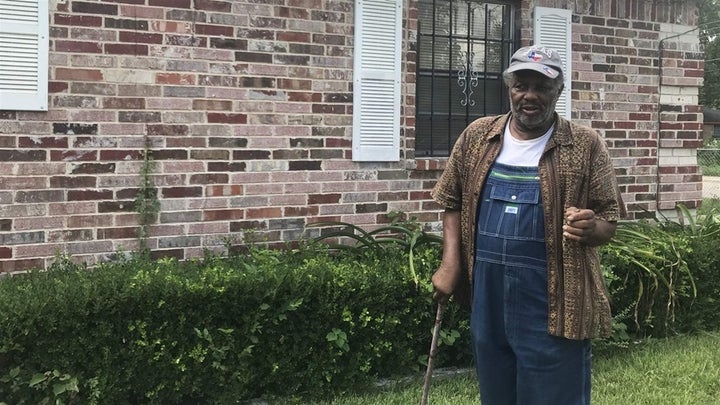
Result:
561,135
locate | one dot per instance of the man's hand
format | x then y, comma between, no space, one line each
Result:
444,281
582,226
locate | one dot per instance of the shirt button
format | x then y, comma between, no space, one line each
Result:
513,197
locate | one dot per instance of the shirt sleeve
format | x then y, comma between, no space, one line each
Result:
604,194
448,190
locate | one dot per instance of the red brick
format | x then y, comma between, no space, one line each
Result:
224,190
223,215
42,142
126,23
214,30
94,168
140,37
117,233
114,154
89,195
212,105
226,118
77,20
301,211
175,78
209,154
73,155
211,5
23,264
209,178
126,49
167,129
181,192
57,87
239,226
94,8
170,3
625,124
78,46
294,36
271,212
22,155
78,74
640,117
170,154
324,198
70,235
39,196
327,218
73,182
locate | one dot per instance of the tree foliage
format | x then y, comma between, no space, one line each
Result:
710,39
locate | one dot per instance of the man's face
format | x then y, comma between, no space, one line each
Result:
532,99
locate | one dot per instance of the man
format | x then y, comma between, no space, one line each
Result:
528,197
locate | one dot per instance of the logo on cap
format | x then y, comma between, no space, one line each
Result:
534,56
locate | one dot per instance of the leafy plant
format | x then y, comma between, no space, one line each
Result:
650,261
408,234
50,387
147,204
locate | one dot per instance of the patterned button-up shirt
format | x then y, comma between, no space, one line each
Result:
575,171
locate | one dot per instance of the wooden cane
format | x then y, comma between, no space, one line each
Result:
433,352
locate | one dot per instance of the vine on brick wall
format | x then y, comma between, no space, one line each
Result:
147,204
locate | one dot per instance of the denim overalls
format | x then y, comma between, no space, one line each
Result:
517,361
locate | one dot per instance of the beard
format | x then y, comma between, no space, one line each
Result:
535,121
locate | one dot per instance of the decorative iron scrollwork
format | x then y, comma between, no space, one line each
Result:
467,78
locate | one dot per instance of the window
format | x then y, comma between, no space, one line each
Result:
463,48
24,55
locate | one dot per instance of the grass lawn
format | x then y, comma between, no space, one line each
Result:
681,370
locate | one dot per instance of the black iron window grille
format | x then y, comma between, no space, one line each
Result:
462,48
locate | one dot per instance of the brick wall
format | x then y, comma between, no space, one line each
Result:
247,110
617,90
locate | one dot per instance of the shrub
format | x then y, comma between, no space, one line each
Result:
308,322
703,312
663,275
302,322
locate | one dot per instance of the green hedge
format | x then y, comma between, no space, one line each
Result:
298,323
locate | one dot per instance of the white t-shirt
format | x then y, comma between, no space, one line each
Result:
518,152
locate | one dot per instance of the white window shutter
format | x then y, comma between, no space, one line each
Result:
376,81
24,55
553,28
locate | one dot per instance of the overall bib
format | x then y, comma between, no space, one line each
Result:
517,361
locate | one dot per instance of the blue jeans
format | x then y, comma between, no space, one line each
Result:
517,361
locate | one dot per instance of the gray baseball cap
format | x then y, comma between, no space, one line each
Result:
538,58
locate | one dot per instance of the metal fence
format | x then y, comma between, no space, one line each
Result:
709,161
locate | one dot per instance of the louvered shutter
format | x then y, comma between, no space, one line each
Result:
376,81
553,28
24,55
